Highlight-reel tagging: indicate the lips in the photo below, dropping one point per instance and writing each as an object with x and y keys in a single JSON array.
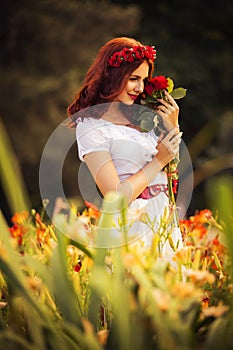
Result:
[{"x": 134, "y": 97}]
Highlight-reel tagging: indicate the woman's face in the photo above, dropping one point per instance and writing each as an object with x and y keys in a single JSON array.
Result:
[{"x": 134, "y": 85}]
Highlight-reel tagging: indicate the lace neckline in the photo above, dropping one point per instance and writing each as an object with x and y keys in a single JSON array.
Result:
[{"x": 129, "y": 125}]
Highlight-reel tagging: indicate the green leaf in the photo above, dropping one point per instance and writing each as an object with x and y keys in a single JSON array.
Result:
[
  {"x": 147, "y": 124},
  {"x": 147, "y": 115},
  {"x": 178, "y": 93},
  {"x": 61, "y": 285},
  {"x": 81, "y": 247}
]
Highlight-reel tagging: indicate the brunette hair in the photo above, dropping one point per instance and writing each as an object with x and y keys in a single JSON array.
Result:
[{"x": 103, "y": 83}]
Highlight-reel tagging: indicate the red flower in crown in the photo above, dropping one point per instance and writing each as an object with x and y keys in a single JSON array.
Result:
[
  {"x": 132, "y": 54},
  {"x": 139, "y": 52},
  {"x": 127, "y": 55},
  {"x": 115, "y": 60},
  {"x": 150, "y": 52}
]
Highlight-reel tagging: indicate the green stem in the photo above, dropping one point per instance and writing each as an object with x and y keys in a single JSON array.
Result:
[{"x": 171, "y": 195}]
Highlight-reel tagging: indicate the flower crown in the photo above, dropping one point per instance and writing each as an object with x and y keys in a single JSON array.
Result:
[{"x": 132, "y": 54}]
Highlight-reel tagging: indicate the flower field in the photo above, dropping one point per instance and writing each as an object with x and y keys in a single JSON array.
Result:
[{"x": 59, "y": 294}]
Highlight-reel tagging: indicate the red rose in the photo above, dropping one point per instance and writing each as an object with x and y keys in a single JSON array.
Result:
[
  {"x": 149, "y": 89},
  {"x": 127, "y": 55},
  {"x": 150, "y": 53},
  {"x": 78, "y": 266},
  {"x": 115, "y": 60},
  {"x": 139, "y": 52},
  {"x": 159, "y": 83}
]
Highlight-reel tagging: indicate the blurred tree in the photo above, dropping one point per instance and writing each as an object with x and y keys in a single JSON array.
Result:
[
  {"x": 194, "y": 46},
  {"x": 45, "y": 49}
]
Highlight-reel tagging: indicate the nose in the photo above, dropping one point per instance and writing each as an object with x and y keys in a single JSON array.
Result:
[{"x": 140, "y": 86}]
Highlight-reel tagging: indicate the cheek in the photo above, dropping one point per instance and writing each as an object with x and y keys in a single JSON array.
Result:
[{"x": 129, "y": 86}]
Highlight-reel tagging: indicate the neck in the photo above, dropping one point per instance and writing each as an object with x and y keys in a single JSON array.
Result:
[{"x": 114, "y": 115}]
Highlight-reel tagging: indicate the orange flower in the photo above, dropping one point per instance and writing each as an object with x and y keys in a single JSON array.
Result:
[
  {"x": 186, "y": 226},
  {"x": 42, "y": 236},
  {"x": 39, "y": 222},
  {"x": 215, "y": 311},
  {"x": 200, "y": 277},
  {"x": 20, "y": 218},
  {"x": 204, "y": 215},
  {"x": 93, "y": 211},
  {"x": 199, "y": 230}
]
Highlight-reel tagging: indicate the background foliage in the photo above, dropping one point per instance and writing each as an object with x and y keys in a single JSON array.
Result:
[{"x": 46, "y": 47}]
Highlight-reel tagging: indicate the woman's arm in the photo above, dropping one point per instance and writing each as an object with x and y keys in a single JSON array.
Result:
[{"x": 106, "y": 178}]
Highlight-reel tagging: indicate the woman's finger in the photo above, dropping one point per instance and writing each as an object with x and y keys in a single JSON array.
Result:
[
  {"x": 172, "y": 143},
  {"x": 172, "y": 133},
  {"x": 170, "y": 99}
]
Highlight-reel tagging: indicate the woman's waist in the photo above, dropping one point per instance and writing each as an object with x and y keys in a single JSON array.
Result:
[{"x": 153, "y": 191}]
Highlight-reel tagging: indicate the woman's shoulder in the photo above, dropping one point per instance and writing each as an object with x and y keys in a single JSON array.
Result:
[{"x": 88, "y": 123}]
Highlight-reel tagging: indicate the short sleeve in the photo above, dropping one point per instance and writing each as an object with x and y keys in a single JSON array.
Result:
[{"x": 90, "y": 138}]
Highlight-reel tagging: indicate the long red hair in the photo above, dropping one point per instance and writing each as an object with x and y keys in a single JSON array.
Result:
[{"x": 103, "y": 83}]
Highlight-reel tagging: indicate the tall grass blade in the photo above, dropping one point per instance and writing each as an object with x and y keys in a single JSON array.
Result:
[
  {"x": 11, "y": 177},
  {"x": 61, "y": 286}
]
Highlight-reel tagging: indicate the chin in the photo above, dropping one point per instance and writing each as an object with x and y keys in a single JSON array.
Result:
[{"x": 129, "y": 103}]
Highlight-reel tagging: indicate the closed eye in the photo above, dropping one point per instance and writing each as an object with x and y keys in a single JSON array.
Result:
[{"x": 134, "y": 78}]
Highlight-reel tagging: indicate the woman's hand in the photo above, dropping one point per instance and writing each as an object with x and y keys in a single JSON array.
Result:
[
  {"x": 168, "y": 147},
  {"x": 169, "y": 111}
]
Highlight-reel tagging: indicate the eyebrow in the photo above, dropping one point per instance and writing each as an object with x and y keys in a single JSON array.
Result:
[{"x": 137, "y": 76}]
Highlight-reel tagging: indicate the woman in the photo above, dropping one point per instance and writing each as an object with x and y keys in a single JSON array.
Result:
[{"x": 118, "y": 154}]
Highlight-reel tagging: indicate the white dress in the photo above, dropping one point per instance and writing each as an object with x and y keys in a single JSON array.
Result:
[{"x": 130, "y": 150}]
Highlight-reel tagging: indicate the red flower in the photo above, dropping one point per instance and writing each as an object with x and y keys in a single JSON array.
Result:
[
  {"x": 78, "y": 266},
  {"x": 159, "y": 83},
  {"x": 127, "y": 55},
  {"x": 139, "y": 52},
  {"x": 17, "y": 231},
  {"x": 216, "y": 241},
  {"x": 149, "y": 89},
  {"x": 150, "y": 52},
  {"x": 136, "y": 53},
  {"x": 115, "y": 60},
  {"x": 174, "y": 186}
]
